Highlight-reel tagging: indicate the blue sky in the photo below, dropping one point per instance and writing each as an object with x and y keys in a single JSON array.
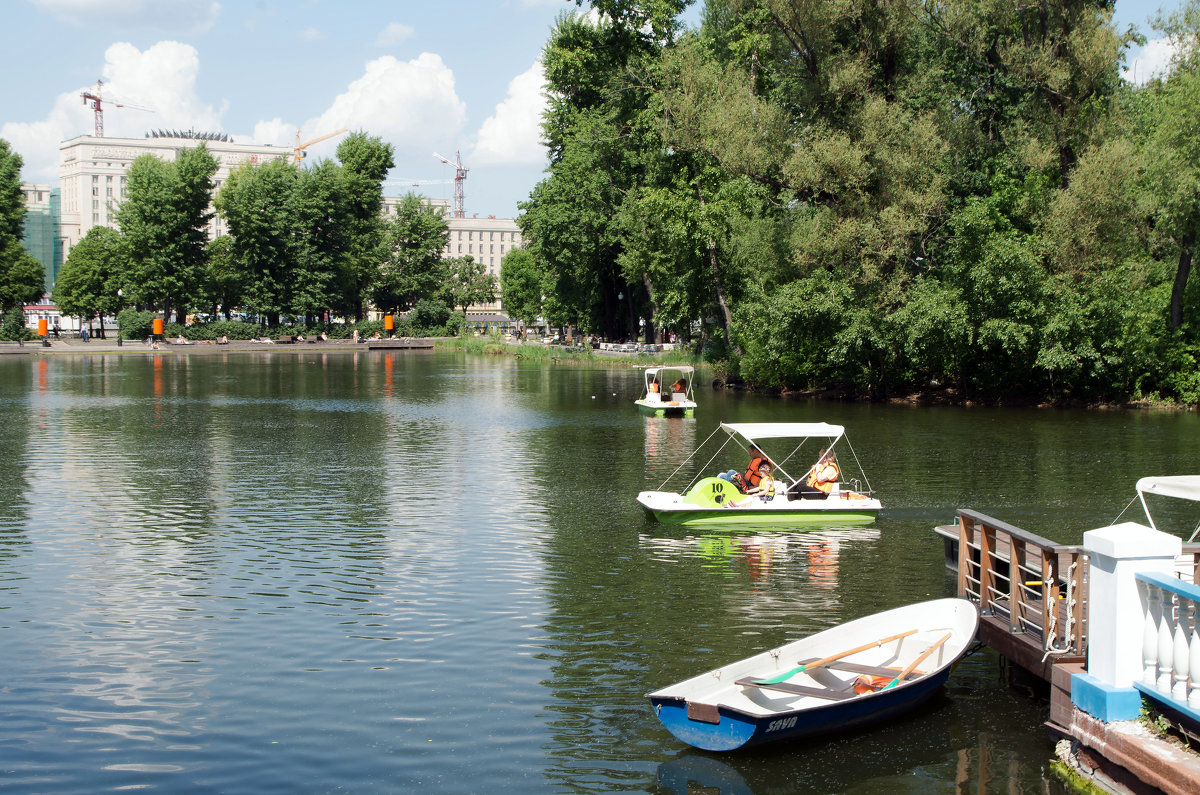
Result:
[{"x": 446, "y": 77}]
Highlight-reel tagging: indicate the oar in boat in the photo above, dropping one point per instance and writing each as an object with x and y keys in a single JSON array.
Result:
[
  {"x": 826, "y": 660},
  {"x": 913, "y": 665}
]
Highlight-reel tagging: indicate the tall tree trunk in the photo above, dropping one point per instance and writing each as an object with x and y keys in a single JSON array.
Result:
[
  {"x": 719, "y": 287},
  {"x": 651, "y": 334},
  {"x": 1181, "y": 276}
]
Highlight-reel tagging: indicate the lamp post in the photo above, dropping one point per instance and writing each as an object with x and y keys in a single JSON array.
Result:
[
  {"x": 620, "y": 298},
  {"x": 120, "y": 293}
]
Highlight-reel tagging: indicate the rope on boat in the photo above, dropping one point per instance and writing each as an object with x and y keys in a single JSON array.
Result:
[{"x": 689, "y": 458}]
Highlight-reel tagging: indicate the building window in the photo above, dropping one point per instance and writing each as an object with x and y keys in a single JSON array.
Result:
[
  {"x": 492, "y": 235},
  {"x": 460, "y": 248}
]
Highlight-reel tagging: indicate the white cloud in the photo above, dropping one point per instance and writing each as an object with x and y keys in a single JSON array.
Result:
[
  {"x": 312, "y": 34},
  {"x": 512, "y": 135},
  {"x": 163, "y": 79},
  {"x": 395, "y": 33},
  {"x": 409, "y": 104},
  {"x": 1152, "y": 60},
  {"x": 190, "y": 16}
]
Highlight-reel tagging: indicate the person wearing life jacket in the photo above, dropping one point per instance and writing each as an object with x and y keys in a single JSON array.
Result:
[
  {"x": 821, "y": 477},
  {"x": 749, "y": 479},
  {"x": 764, "y": 490}
]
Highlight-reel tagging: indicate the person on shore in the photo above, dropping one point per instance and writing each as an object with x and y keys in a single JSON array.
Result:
[{"x": 764, "y": 490}]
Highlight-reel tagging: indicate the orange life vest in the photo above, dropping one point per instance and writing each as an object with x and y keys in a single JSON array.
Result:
[
  {"x": 751, "y": 475},
  {"x": 824, "y": 485}
]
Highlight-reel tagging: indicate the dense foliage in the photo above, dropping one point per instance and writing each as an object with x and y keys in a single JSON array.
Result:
[
  {"x": 21, "y": 279},
  {"x": 877, "y": 197}
]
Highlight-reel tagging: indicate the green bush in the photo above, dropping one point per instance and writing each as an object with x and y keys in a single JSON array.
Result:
[
  {"x": 135, "y": 325},
  {"x": 12, "y": 327}
]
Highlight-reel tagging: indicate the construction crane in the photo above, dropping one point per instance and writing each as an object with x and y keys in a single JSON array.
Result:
[
  {"x": 460, "y": 176},
  {"x": 299, "y": 148},
  {"x": 95, "y": 102}
]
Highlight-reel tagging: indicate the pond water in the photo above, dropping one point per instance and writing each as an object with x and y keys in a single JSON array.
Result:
[{"x": 314, "y": 572}]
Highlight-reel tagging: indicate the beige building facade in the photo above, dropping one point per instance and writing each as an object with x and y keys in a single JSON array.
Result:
[
  {"x": 93, "y": 170},
  {"x": 92, "y": 174}
]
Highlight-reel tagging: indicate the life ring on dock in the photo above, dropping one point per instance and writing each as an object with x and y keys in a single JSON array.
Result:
[{"x": 870, "y": 684}]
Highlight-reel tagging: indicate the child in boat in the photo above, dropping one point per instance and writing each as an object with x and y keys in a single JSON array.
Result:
[
  {"x": 750, "y": 479},
  {"x": 765, "y": 490}
]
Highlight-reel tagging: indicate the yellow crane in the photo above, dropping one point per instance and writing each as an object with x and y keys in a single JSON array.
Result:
[{"x": 299, "y": 148}]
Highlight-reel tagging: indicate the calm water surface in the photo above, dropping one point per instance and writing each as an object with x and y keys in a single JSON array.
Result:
[{"x": 305, "y": 572}]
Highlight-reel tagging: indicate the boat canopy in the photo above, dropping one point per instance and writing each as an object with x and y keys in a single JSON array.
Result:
[
  {"x": 684, "y": 369},
  {"x": 1184, "y": 487},
  {"x": 783, "y": 430}
]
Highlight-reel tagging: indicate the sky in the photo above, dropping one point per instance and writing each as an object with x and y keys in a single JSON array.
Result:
[{"x": 436, "y": 80}]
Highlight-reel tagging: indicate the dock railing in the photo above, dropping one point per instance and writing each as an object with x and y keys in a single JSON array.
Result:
[
  {"x": 1170, "y": 642},
  {"x": 1030, "y": 581}
]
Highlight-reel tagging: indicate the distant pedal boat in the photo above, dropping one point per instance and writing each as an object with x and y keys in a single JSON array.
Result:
[
  {"x": 856, "y": 674},
  {"x": 707, "y": 501},
  {"x": 659, "y": 400}
]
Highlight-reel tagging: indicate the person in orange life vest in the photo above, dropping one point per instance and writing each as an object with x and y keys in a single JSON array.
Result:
[
  {"x": 821, "y": 477},
  {"x": 750, "y": 478},
  {"x": 764, "y": 490},
  {"x": 678, "y": 386}
]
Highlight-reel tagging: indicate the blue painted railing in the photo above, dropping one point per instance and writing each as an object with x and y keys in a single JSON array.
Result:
[{"x": 1171, "y": 643}]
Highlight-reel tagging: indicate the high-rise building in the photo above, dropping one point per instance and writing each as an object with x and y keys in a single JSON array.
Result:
[
  {"x": 43, "y": 236},
  {"x": 93, "y": 183},
  {"x": 92, "y": 173}
]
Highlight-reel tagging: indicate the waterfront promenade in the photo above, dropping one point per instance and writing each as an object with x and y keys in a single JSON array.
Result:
[{"x": 110, "y": 345}]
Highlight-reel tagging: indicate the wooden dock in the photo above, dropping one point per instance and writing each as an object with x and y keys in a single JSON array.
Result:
[
  {"x": 1038, "y": 618},
  {"x": 1032, "y": 598},
  {"x": 400, "y": 345}
]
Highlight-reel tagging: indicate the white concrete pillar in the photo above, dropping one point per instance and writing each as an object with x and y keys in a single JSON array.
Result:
[{"x": 1116, "y": 616}]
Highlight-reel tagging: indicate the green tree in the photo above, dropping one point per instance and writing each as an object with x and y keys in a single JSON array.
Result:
[
  {"x": 365, "y": 162},
  {"x": 21, "y": 276},
  {"x": 1174, "y": 151},
  {"x": 221, "y": 285},
  {"x": 320, "y": 207},
  {"x": 165, "y": 220},
  {"x": 90, "y": 284},
  {"x": 415, "y": 237},
  {"x": 256, "y": 203},
  {"x": 468, "y": 282},
  {"x": 521, "y": 285}
]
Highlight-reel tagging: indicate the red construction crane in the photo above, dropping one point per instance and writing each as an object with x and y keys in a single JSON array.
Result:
[
  {"x": 460, "y": 176},
  {"x": 96, "y": 104}
]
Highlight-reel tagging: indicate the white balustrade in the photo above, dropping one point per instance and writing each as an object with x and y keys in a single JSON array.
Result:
[{"x": 1171, "y": 638}]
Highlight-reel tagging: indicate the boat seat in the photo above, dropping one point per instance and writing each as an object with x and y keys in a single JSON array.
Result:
[
  {"x": 869, "y": 670},
  {"x": 797, "y": 690},
  {"x": 678, "y": 396}
]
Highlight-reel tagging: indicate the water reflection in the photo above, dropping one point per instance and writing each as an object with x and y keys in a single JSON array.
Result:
[{"x": 352, "y": 571}]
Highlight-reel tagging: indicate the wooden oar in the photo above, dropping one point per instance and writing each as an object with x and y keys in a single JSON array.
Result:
[
  {"x": 826, "y": 660},
  {"x": 913, "y": 666}
]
